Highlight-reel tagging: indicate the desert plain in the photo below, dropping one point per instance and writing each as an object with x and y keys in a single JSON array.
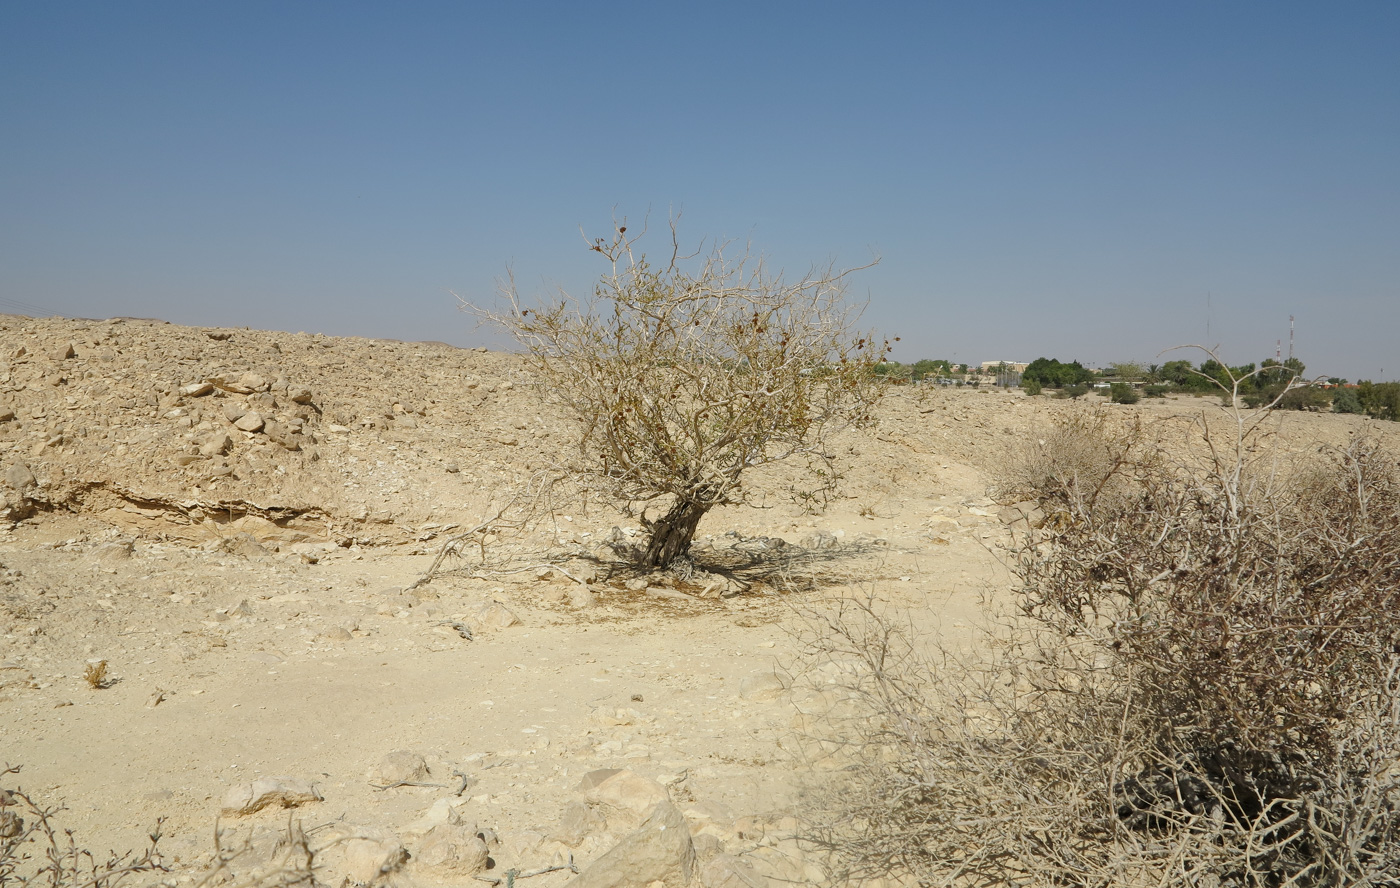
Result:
[{"x": 234, "y": 527}]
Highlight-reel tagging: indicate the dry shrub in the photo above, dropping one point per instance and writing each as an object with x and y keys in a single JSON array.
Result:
[
  {"x": 35, "y": 850},
  {"x": 1201, "y": 687},
  {"x": 1085, "y": 450}
]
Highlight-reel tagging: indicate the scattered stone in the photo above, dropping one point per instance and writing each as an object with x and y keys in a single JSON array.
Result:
[
  {"x": 659, "y": 851},
  {"x": 197, "y": 389},
  {"x": 251, "y": 421},
  {"x": 581, "y": 597},
  {"x": 299, "y": 395},
  {"x": 820, "y": 540},
  {"x": 288, "y": 792},
  {"x": 234, "y": 411},
  {"x": 64, "y": 352}
]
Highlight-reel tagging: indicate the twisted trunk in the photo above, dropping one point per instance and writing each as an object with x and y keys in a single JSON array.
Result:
[{"x": 671, "y": 534}]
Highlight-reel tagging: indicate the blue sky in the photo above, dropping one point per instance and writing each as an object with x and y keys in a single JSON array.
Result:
[{"x": 1092, "y": 181}]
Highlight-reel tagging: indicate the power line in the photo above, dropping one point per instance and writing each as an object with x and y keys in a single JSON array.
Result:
[{"x": 26, "y": 308}]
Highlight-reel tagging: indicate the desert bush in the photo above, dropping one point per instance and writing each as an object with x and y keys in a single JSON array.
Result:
[
  {"x": 1123, "y": 393},
  {"x": 1155, "y": 391},
  {"x": 1073, "y": 392},
  {"x": 684, "y": 374},
  {"x": 35, "y": 850},
  {"x": 1202, "y": 687},
  {"x": 1030, "y": 386},
  {"x": 1084, "y": 450}
]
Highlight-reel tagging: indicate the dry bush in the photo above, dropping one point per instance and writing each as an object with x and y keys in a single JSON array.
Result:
[
  {"x": 35, "y": 851},
  {"x": 1202, "y": 687},
  {"x": 686, "y": 373},
  {"x": 1085, "y": 449},
  {"x": 96, "y": 675}
]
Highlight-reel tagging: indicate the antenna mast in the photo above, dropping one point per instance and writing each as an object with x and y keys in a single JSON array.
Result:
[{"x": 1290, "y": 337}]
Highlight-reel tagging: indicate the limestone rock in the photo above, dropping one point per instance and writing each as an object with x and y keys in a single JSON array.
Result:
[
  {"x": 659, "y": 851},
  {"x": 19, "y": 477},
  {"x": 116, "y": 551},
  {"x": 496, "y": 616},
  {"x": 454, "y": 848},
  {"x": 251, "y": 421},
  {"x": 728, "y": 871},
  {"x": 627, "y": 793},
  {"x": 64, "y": 352},
  {"x": 577, "y": 823},
  {"x": 217, "y": 444},
  {"x": 288, "y": 792},
  {"x": 360, "y": 856},
  {"x": 197, "y": 389},
  {"x": 399, "y": 766},
  {"x": 765, "y": 686},
  {"x": 233, "y": 411}
]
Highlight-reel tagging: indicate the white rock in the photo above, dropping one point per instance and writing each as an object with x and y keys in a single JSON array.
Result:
[
  {"x": 288, "y": 792},
  {"x": 251, "y": 421},
  {"x": 626, "y": 792},
  {"x": 398, "y": 766},
  {"x": 360, "y": 856},
  {"x": 439, "y": 813},
  {"x": 454, "y": 848},
  {"x": 659, "y": 851},
  {"x": 496, "y": 616}
]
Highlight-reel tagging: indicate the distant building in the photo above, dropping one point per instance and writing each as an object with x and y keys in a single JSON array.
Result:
[{"x": 1012, "y": 366}]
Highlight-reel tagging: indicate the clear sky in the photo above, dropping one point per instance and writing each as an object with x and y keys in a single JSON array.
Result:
[{"x": 1091, "y": 181}]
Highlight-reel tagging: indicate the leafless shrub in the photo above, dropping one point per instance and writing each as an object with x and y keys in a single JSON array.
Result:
[
  {"x": 1202, "y": 687},
  {"x": 511, "y": 513},
  {"x": 684, "y": 374},
  {"x": 35, "y": 851},
  {"x": 1086, "y": 450}
]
